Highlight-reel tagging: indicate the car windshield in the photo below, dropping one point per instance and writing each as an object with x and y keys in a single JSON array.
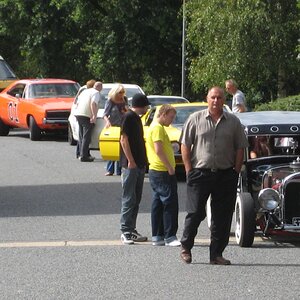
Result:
[
  {"x": 53, "y": 90},
  {"x": 130, "y": 92},
  {"x": 269, "y": 145},
  {"x": 184, "y": 112},
  {"x": 5, "y": 71},
  {"x": 165, "y": 100}
]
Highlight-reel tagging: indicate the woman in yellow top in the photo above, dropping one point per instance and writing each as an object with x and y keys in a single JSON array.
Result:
[{"x": 164, "y": 210}]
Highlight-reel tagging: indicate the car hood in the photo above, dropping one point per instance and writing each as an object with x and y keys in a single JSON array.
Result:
[
  {"x": 53, "y": 103},
  {"x": 177, "y": 126},
  {"x": 174, "y": 132}
]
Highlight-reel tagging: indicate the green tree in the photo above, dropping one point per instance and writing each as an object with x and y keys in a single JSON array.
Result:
[
  {"x": 11, "y": 28},
  {"x": 253, "y": 41},
  {"x": 113, "y": 40},
  {"x": 38, "y": 38},
  {"x": 140, "y": 43}
]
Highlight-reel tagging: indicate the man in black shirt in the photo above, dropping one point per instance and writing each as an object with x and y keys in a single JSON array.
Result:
[{"x": 133, "y": 161}]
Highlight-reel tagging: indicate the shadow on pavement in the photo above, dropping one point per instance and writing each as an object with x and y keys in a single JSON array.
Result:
[
  {"x": 60, "y": 200},
  {"x": 67, "y": 199},
  {"x": 61, "y": 136}
]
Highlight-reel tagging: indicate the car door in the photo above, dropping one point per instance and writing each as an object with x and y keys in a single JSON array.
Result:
[
  {"x": 109, "y": 139},
  {"x": 109, "y": 143},
  {"x": 96, "y": 132},
  {"x": 14, "y": 98}
]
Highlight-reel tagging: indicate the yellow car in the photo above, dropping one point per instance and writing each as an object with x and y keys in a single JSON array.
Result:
[
  {"x": 7, "y": 76},
  {"x": 109, "y": 139}
]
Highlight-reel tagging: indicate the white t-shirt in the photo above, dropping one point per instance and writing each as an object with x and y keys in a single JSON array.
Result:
[
  {"x": 238, "y": 99},
  {"x": 85, "y": 100}
]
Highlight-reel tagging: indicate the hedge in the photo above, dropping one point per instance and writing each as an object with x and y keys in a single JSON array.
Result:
[{"x": 291, "y": 103}]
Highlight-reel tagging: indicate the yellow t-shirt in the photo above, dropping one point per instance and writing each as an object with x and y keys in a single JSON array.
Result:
[{"x": 157, "y": 133}]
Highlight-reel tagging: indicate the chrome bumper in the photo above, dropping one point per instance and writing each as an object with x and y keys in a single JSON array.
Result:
[{"x": 53, "y": 121}]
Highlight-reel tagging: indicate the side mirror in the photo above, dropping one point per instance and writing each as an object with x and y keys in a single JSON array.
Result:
[{"x": 18, "y": 96}]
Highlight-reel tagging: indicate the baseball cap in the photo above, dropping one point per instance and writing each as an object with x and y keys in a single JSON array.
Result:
[{"x": 139, "y": 100}]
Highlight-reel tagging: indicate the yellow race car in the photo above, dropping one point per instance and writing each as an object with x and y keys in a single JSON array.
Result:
[{"x": 109, "y": 139}]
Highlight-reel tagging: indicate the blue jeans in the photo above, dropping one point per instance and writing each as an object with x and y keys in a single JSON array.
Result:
[
  {"x": 164, "y": 211},
  {"x": 132, "y": 183},
  {"x": 110, "y": 167}
]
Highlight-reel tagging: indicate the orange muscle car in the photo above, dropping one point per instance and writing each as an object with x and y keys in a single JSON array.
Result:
[{"x": 41, "y": 105}]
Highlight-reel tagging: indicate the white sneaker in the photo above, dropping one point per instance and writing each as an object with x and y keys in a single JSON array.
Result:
[
  {"x": 126, "y": 238},
  {"x": 158, "y": 243},
  {"x": 174, "y": 243},
  {"x": 137, "y": 237}
]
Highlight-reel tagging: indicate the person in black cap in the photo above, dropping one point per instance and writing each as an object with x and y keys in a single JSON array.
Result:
[{"x": 133, "y": 161}]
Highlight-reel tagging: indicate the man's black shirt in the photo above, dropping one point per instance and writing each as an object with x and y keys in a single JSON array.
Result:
[{"x": 133, "y": 128}]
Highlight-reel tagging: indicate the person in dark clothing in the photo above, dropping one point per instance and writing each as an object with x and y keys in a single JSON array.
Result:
[
  {"x": 133, "y": 161},
  {"x": 212, "y": 147}
]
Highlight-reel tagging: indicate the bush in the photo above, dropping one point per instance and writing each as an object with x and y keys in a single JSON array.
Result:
[{"x": 291, "y": 103}]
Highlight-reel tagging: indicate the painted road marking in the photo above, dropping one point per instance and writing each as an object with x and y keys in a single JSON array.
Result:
[{"x": 91, "y": 243}]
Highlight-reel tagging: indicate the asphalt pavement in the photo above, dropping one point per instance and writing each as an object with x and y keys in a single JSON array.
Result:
[{"x": 60, "y": 239}]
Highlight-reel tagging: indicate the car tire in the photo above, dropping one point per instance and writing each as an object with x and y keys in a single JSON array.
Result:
[
  {"x": 71, "y": 139},
  {"x": 4, "y": 129},
  {"x": 34, "y": 130},
  {"x": 244, "y": 220}
]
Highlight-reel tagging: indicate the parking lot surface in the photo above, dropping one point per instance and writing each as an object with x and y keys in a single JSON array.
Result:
[{"x": 60, "y": 239}]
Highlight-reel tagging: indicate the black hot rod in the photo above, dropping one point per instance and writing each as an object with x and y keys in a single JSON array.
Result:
[{"x": 268, "y": 198}]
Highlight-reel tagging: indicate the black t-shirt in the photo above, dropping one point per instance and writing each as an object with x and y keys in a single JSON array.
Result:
[{"x": 133, "y": 128}]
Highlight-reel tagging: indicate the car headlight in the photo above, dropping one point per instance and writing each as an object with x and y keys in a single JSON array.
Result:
[
  {"x": 176, "y": 147},
  {"x": 268, "y": 198}
]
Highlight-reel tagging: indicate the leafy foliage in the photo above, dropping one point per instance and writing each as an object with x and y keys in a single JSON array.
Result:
[
  {"x": 291, "y": 103},
  {"x": 127, "y": 41},
  {"x": 252, "y": 41}
]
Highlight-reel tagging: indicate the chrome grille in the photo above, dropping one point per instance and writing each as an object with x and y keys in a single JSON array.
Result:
[
  {"x": 58, "y": 115},
  {"x": 291, "y": 207}
]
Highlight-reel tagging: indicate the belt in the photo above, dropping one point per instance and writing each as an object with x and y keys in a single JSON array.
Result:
[{"x": 215, "y": 170}]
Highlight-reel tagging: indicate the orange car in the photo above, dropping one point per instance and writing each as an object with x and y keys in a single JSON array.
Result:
[{"x": 41, "y": 105}]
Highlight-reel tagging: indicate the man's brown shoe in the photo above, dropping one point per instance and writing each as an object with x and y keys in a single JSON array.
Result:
[
  {"x": 219, "y": 260},
  {"x": 186, "y": 255}
]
